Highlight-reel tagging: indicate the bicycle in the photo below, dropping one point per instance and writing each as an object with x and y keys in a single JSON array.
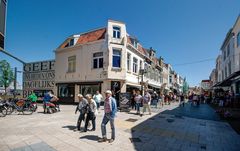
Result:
[
  {"x": 24, "y": 106},
  {"x": 3, "y": 109}
]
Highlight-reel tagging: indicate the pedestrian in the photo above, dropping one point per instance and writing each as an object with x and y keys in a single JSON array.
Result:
[
  {"x": 98, "y": 99},
  {"x": 138, "y": 100},
  {"x": 161, "y": 99},
  {"x": 146, "y": 102},
  {"x": 110, "y": 109},
  {"x": 182, "y": 100},
  {"x": 91, "y": 112},
  {"x": 82, "y": 108},
  {"x": 155, "y": 99},
  {"x": 133, "y": 102}
]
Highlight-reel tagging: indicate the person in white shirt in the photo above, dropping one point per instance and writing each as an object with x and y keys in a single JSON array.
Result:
[{"x": 98, "y": 98}]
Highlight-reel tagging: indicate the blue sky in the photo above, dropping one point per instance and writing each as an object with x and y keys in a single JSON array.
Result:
[{"x": 180, "y": 30}]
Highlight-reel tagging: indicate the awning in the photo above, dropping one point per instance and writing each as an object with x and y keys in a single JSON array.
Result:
[
  {"x": 134, "y": 85},
  {"x": 228, "y": 81},
  {"x": 154, "y": 86}
]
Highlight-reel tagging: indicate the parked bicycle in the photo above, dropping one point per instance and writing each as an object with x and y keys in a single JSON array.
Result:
[
  {"x": 22, "y": 106},
  {"x": 3, "y": 109}
]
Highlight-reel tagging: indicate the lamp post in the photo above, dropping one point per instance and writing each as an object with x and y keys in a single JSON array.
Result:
[
  {"x": 142, "y": 71},
  {"x": 15, "y": 69}
]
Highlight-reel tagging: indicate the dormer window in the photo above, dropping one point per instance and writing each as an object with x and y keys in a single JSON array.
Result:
[
  {"x": 134, "y": 42},
  {"x": 116, "y": 32},
  {"x": 71, "y": 42}
]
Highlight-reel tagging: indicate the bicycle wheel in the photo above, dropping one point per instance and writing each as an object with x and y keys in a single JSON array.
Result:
[
  {"x": 10, "y": 110},
  {"x": 3, "y": 110},
  {"x": 28, "y": 110}
]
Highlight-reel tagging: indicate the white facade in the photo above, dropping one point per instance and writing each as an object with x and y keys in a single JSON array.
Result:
[{"x": 77, "y": 71}]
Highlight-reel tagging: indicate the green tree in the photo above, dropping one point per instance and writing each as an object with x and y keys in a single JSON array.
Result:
[
  {"x": 185, "y": 86},
  {"x": 6, "y": 74}
]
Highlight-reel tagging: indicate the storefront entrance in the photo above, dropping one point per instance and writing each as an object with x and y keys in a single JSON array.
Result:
[
  {"x": 89, "y": 88},
  {"x": 115, "y": 87},
  {"x": 66, "y": 93}
]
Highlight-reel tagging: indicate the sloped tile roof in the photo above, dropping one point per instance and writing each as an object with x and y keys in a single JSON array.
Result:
[
  {"x": 92, "y": 36},
  {"x": 140, "y": 48},
  {"x": 87, "y": 37}
]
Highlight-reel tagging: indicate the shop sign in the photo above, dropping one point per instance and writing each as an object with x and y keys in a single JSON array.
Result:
[{"x": 38, "y": 76}]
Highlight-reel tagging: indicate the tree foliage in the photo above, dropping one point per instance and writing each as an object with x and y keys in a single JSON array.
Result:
[
  {"x": 6, "y": 74},
  {"x": 185, "y": 86}
]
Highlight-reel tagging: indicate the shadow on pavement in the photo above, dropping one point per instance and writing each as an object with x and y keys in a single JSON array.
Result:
[
  {"x": 70, "y": 127},
  {"x": 203, "y": 111},
  {"x": 164, "y": 131},
  {"x": 90, "y": 137}
]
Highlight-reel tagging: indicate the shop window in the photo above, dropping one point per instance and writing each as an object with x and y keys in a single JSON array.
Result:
[
  {"x": 116, "y": 32},
  {"x": 89, "y": 89},
  {"x": 98, "y": 60},
  {"x": 66, "y": 91},
  {"x": 116, "y": 60},
  {"x": 72, "y": 64}
]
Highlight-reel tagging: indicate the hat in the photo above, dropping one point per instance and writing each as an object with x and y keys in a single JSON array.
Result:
[
  {"x": 80, "y": 95},
  {"x": 108, "y": 92}
]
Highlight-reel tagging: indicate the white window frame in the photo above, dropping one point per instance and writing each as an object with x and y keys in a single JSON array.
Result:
[
  {"x": 135, "y": 65},
  {"x": 72, "y": 64},
  {"x": 117, "y": 56},
  {"x": 117, "y": 32},
  {"x": 98, "y": 60}
]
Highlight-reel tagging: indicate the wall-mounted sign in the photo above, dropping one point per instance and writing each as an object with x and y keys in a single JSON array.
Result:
[{"x": 38, "y": 77}]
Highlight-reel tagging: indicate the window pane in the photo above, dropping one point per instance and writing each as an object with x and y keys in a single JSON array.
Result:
[
  {"x": 116, "y": 52},
  {"x": 118, "y": 34},
  {"x": 100, "y": 62},
  {"x": 116, "y": 28},
  {"x": 98, "y": 54},
  {"x": 116, "y": 61},
  {"x": 71, "y": 42},
  {"x": 95, "y": 63},
  {"x": 114, "y": 34}
]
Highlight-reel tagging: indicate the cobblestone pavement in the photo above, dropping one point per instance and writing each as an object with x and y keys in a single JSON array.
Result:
[{"x": 168, "y": 131}]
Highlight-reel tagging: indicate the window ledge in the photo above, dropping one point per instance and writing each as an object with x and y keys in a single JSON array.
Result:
[
  {"x": 97, "y": 68},
  {"x": 116, "y": 69},
  {"x": 68, "y": 72}
]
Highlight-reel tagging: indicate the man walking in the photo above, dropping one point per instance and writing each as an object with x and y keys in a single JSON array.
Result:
[
  {"x": 110, "y": 109},
  {"x": 146, "y": 102},
  {"x": 182, "y": 100},
  {"x": 138, "y": 100},
  {"x": 82, "y": 109},
  {"x": 98, "y": 98}
]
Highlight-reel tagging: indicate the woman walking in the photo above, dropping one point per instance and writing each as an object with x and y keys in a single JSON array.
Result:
[
  {"x": 91, "y": 112},
  {"x": 138, "y": 100}
]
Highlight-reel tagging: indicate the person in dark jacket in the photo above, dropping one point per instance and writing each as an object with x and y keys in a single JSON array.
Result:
[{"x": 82, "y": 109}]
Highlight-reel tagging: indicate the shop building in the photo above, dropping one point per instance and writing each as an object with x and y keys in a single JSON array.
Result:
[
  {"x": 39, "y": 77},
  {"x": 101, "y": 59}
]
